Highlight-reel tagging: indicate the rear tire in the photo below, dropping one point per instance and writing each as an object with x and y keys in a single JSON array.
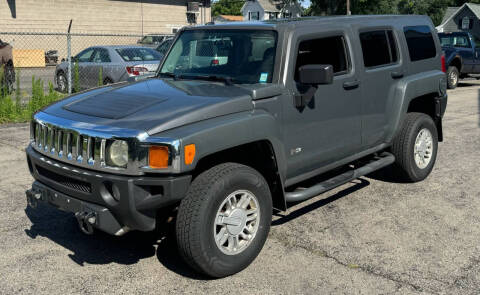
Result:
[
  {"x": 453, "y": 76},
  {"x": 107, "y": 81},
  {"x": 415, "y": 147},
  {"x": 223, "y": 222}
]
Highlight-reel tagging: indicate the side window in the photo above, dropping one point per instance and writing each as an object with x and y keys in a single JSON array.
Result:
[
  {"x": 379, "y": 48},
  {"x": 101, "y": 56},
  {"x": 420, "y": 42},
  {"x": 326, "y": 51},
  {"x": 85, "y": 56}
]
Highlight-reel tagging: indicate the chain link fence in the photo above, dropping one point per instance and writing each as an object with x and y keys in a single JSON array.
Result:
[{"x": 74, "y": 62}]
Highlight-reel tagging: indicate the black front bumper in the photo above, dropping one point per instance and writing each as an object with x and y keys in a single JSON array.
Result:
[{"x": 126, "y": 202}]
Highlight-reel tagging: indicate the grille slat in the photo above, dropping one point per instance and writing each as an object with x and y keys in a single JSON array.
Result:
[{"x": 59, "y": 142}]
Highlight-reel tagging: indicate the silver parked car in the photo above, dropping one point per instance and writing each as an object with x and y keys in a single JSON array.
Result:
[{"x": 114, "y": 63}]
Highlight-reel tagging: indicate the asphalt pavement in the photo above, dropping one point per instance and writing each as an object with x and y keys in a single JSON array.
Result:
[{"x": 371, "y": 236}]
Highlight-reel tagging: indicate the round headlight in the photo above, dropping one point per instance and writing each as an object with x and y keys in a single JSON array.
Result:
[{"x": 117, "y": 154}]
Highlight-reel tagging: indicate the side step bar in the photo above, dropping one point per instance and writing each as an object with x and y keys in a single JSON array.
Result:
[{"x": 383, "y": 160}]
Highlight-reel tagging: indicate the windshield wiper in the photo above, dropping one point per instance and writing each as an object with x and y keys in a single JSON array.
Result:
[
  {"x": 169, "y": 75},
  {"x": 227, "y": 80}
]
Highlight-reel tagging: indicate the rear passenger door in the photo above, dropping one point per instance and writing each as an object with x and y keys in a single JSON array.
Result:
[{"x": 382, "y": 67}]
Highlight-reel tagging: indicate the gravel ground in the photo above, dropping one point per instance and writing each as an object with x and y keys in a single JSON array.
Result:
[{"x": 371, "y": 236}]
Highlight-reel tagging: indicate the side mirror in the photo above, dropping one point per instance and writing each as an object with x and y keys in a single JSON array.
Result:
[{"x": 316, "y": 74}]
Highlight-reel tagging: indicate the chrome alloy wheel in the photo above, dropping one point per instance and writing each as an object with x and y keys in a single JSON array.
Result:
[
  {"x": 236, "y": 222},
  {"x": 423, "y": 148},
  {"x": 453, "y": 78},
  {"x": 62, "y": 83}
]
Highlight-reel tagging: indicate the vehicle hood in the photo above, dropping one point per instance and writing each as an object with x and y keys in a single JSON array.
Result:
[{"x": 153, "y": 105}]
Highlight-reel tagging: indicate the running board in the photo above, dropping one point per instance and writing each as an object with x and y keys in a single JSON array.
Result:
[{"x": 383, "y": 160}]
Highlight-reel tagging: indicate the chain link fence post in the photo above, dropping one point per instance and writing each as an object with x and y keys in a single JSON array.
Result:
[{"x": 69, "y": 59}]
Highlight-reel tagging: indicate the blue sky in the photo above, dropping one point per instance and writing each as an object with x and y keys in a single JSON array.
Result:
[{"x": 305, "y": 3}]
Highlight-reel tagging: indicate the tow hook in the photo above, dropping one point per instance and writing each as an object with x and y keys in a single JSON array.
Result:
[
  {"x": 33, "y": 196},
  {"x": 86, "y": 220}
]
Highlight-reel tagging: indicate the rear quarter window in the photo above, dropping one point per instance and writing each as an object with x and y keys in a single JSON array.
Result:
[{"x": 420, "y": 42}]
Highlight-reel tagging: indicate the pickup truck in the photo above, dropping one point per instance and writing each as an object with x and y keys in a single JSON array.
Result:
[
  {"x": 462, "y": 56},
  {"x": 298, "y": 108}
]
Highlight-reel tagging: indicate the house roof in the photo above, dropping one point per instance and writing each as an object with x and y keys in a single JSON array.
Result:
[
  {"x": 448, "y": 13},
  {"x": 270, "y": 6},
  {"x": 233, "y": 18},
  {"x": 452, "y": 11}
]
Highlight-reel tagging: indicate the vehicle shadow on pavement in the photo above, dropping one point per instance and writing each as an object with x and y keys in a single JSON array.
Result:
[
  {"x": 359, "y": 184},
  {"x": 101, "y": 248}
]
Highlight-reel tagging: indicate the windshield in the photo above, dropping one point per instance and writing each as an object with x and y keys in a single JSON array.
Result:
[
  {"x": 242, "y": 56},
  {"x": 454, "y": 40},
  {"x": 138, "y": 54}
]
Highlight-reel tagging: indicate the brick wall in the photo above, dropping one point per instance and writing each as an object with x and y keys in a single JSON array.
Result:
[{"x": 103, "y": 16}]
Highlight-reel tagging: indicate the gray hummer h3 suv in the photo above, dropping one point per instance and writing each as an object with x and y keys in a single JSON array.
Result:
[{"x": 293, "y": 108}]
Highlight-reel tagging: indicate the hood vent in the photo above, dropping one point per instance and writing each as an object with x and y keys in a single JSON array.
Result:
[{"x": 111, "y": 105}]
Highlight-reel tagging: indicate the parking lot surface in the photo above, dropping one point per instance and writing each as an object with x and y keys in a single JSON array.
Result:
[{"x": 371, "y": 236}]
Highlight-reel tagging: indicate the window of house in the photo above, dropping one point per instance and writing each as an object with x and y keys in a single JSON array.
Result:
[
  {"x": 420, "y": 42},
  {"x": 324, "y": 51},
  {"x": 379, "y": 48},
  {"x": 253, "y": 15}
]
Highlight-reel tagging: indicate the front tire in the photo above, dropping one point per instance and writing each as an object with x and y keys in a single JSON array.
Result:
[
  {"x": 453, "y": 76},
  {"x": 415, "y": 147},
  {"x": 223, "y": 222},
  {"x": 62, "y": 82}
]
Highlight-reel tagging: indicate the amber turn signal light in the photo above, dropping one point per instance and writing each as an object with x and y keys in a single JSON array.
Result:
[
  {"x": 158, "y": 157},
  {"x": 189, "y": 154}
]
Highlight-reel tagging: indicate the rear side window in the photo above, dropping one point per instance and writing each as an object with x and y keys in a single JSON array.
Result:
[
  {"x": 326, "y": 51},
  {"x": 379, "y": 48},
  {"x": 420, "y": 42},
  {"x": 138, "y": 54}
]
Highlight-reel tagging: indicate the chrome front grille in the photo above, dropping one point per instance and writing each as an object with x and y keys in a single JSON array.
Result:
[{"x": 68, "y": 145}]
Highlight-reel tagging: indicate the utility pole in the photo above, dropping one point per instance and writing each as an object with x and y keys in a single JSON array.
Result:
[{"x": 348, "y": 8}]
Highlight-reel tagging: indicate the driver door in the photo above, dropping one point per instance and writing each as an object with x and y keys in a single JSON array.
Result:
[{"x": 328, "y": 128}]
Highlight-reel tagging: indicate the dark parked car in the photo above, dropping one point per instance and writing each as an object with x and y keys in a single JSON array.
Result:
[
  {"x": 6, "y": 61},
  {"x": 296, "y": 108},
  {"x": 116, "y": 63},
  {"x": 462, "y": 56}
]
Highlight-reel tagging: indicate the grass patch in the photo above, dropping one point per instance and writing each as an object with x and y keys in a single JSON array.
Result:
[{"x": 13, "y": 111}]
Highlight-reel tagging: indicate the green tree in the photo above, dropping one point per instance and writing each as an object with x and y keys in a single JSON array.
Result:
[{"x": 227, "y": 7}]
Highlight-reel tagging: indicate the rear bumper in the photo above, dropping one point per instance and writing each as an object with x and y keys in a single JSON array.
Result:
[{"x": 129, "y": 202}]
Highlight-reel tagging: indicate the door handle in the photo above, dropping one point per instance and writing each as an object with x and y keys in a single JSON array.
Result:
[
  {"x": 397, "y": 75},
  {"x": 351, "y": 85}
]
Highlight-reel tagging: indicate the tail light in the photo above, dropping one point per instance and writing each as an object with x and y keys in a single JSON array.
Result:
[
  {"x": 136, "y": 71},
  {"x": 215, "y": 62},
  {"x": 444, "y": 67}
]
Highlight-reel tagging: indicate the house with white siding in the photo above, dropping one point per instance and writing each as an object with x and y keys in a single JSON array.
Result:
[{"x": 254, "y": 10}]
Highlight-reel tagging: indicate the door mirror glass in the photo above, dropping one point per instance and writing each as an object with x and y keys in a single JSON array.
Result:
[{"x": 316, "y": 74}]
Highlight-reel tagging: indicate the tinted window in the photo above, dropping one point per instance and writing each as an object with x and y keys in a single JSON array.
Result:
[
  {"x": 138, "y": 54},
  {"x": 325, "y": 51},
  {"x": 420, "y": 42},
  {"x": 379, "y": 48}
]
